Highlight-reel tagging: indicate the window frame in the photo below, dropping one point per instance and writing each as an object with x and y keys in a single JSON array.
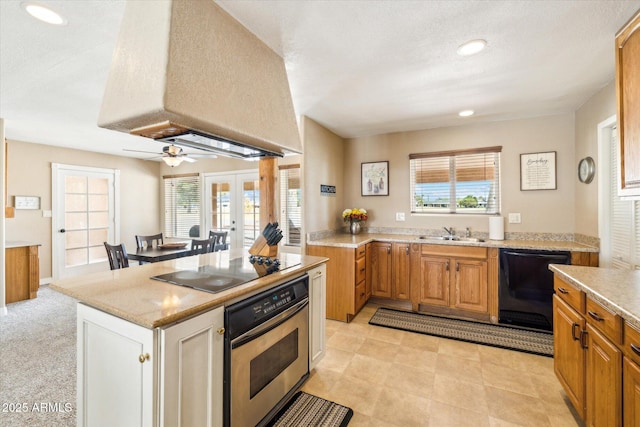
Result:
[
  {"x": 170, "y": 227},
  {"x": 453, "y": 157}
]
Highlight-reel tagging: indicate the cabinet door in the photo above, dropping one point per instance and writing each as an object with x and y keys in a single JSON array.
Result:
[
  {"x": 401, "y": 266},
  {"x": 627, "y": 84},
  {"x": 604, "y": 389},
  {"x": 381, "y": 269},
  {"x": 191, "y": 371},
  {"x": 116, "y": 365},
  {"x": 317, "y": 310},
  {"x": 569, "y": 356},
  {"x": 631, "y": 393},
  {"x": 471, "y": 285},
  {"x": 434, "y": 283}
]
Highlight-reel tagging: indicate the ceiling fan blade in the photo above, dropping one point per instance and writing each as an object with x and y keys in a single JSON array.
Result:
[
  {"x": 187, "y": 159},
  {"x": 203, "y": 156}
]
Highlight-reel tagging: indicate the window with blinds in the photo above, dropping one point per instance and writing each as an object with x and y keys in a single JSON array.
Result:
[
  {"x": 625, "y": 219},
  {"x": 290, "y": 204},
  {"x": 465, "y": 181},
  {"x": 182, "y": 204}
]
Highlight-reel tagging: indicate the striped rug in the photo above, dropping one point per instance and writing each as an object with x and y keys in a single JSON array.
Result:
[
  {"x": 308, "y": 410},
  {"x": 480, "y": 333}
]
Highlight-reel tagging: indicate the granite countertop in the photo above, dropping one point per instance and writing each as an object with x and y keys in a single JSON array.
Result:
[
  {"x": 130, "y": 294},
  {"x": 618, "y": 290},
  {"x": 353, "y": 241}
]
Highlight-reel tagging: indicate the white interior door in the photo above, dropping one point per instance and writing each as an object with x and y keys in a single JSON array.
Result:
[
  {"x": 84, "y": 217},
  {"x": 233, "y": 205}
]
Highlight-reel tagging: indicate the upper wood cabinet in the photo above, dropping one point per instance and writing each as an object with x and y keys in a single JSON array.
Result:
[{"x": 628, "y": 97}]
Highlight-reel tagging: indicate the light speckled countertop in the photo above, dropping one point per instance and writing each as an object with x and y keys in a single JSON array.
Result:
[
  {"x": 353, "y": 241},
  {"x": 617, "y": 290},
  {"x": 130, "y": 294}
]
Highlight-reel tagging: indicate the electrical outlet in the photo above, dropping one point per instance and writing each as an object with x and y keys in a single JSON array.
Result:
[
  {"x": 514, "y": 218},
  {"x": 399, "y": 216}
]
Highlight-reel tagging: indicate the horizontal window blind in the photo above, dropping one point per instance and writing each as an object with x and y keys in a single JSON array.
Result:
[
  {"x": 182, "y": 204},
  {"x": 456, "y": 181},
  {"x": 291, "y": 204}
]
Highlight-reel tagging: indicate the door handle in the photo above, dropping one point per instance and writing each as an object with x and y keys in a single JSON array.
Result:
[{"x": 62, "y": 230}]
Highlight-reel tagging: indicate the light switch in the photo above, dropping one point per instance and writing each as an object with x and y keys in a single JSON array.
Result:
[
  {"x": 399, "y": 216},
  {"x": 514, "y": 218}
]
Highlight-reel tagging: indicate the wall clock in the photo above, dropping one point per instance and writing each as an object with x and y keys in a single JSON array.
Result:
[{"x": 586, "y": 170}]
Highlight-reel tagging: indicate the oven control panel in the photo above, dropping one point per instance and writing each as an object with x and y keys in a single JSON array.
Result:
[{"x": 272, "y": 303}]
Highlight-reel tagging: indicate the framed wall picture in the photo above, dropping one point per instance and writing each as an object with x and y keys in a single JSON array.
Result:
[
  {"x": 538, "y": 171},
  {"x": 375, "y": 179}
]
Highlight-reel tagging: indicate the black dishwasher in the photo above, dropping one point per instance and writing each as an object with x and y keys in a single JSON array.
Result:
[{"x": 525, "y": 295}]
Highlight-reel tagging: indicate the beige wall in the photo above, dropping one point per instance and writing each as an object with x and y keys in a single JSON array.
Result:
[
  {"x": 598, "y": 108},
  {"x": 323, "y": 163},
  {"x": 542, "y": 211},
  {"x": 30, "y": 175}
]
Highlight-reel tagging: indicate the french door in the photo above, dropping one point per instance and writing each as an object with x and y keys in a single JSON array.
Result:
[
  {"x": 85, "y": 215},
  {"x": 233, "y": 205}
]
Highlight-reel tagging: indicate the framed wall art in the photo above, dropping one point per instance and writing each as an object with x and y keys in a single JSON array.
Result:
[
  {"x": 538, "y": 171},
  {"x": 375, "y": 179}
]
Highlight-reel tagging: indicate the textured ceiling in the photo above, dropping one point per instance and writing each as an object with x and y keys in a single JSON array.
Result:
[{"x": 357, "y": 67}]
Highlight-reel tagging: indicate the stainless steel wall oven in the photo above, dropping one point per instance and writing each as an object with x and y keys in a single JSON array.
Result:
[{"x": 266, "y": 352}]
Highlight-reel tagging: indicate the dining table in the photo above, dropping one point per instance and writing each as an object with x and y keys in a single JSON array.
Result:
[{"x": 160, "y": 253}]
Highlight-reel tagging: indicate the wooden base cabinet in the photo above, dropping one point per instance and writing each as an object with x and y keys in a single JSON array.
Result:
[
  {"x": 631, "y": 392},
  {"x": 381, "y": 264},
  {"x": 22, "y": 273},
  {"x": 129, "y": 375},
  {"x": 454, "y": 280},
  {"x": 317, "y": 314},
  {"x": 604, "y": 385}
]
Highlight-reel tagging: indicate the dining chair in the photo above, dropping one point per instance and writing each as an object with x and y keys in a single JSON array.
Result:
[
  {"x": 220, "y": 238},
  {"x": 117, "y": 256},
  {"x": 149, "y": 240},
  {"x": 204, "y": 246}
]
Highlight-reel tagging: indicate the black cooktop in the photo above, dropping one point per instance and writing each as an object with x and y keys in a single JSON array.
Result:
[{"x": 235, "y": 272}]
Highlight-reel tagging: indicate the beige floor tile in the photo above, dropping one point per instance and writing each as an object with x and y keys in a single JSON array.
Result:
[
  {"x": 494, "y": 422},
  {"x": 421, "y": 341},
  {"x": 410, "y": 380},
  {"x": 360, "y": 420},
  {"x": 508, "y": 379},
  {"x": 366, "y": 368},
  {"x": 423, "y": 360},
  {"x": 461, "y": 394},
  {"x": 336, "y": 359},
  {"x": 516, "y": 408},
  {"x": 321, "y": 381},
  {"x": 459, "y": 368},
  {"x": 389, "y": 335},
  {"x": 459, "y": 349},
  {"x": 347, "y": 342},
  {"x": 443, "y": 415},
  {"x": 359, "y": 395},
  {"x": 379, "y": 349},
  {"x": 402, "y": 409}
]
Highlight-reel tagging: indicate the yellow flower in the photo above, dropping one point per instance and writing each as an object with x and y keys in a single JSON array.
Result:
[{"x": 357, "y": 215}]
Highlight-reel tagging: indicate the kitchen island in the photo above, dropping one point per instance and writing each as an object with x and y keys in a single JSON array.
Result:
[
  {"x": 151, "y": 353},
  {"x": 597, "y": 342}
]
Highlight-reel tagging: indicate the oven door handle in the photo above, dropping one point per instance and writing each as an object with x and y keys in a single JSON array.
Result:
[{"x": 270, "y": 324}]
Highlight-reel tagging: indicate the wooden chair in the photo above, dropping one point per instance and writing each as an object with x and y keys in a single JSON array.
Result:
[
  {"x": 205, "y": 246},
  {"x": 117, "y": 256},
  {"x": 149, "y": 240},
  {"x": 220, "y": 238}
]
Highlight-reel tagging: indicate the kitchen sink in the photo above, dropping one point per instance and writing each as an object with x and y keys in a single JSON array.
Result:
[{"x": 452, "y": 238}]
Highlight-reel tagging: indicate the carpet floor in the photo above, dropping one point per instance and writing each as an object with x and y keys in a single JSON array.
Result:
[
  {"x": 480, "y": 333},
  {"x": 38, "y": 361},
  {"x": 308, "y": 410}
]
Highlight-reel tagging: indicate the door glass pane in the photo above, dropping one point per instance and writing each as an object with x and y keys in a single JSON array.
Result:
[
  {"x": 98, "y": 185},
  {"x": 221, "y": 205},
  {"x": 99, "y": 202},
  {"x": 75, "y": 184},
  {"x": 75, "y": 202},
  {"x": 97, "y": 237},
  {"x": 250, "y": 211},
  {"x": 98, "y": 220},
  {"x": 75, "y": 221},
  {"x": 75, "y": 257},
  {"x": 76, "y": 239}
]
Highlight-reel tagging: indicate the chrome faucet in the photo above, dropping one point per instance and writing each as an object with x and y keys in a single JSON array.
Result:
[
  {"x": 450, "y": 231},
  {"x": 468, "y": 232}
]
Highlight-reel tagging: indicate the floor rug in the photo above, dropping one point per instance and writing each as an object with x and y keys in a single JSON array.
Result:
[
  {"x": 480, "y": 333},
  {"x": 307, "y": 410}
]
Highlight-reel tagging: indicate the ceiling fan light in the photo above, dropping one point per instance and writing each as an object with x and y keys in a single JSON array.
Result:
[
  {"x": 172, "y": 161},
  {"x": 44, "y": 13},
  {"x": 466, "y": 113},
  {"x": 471, "y": 47}
]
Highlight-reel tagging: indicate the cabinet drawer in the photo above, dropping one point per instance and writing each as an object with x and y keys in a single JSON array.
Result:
[
  {"x": 607, "y": 322},
  {"x": 361, "y": 271},
  {"x": 360, "y": 251},
  {"x": 361, "y": 295},
  {"x": 632, "y": 343},
  {"x": 569, "y": 294}
]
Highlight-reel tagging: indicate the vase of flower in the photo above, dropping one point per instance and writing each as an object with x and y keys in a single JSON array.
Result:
[{"x": 355, "y": 227}]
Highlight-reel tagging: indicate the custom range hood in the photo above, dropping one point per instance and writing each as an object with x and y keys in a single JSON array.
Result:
[{"x": 186, "y": 72}]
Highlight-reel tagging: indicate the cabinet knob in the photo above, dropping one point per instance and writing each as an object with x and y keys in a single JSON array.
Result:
[
  {"x": 221, "y": 331},
  {"x": 318, "y": 273},
  {"x": 144, "y": 357}
]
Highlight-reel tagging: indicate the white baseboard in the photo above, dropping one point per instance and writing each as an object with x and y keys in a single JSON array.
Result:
[
  {"x": 46, "y": 281},
  {"x": 3, "y": 311}
]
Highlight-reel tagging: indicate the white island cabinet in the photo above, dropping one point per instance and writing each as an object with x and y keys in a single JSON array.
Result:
[
  {"x": 317, "y": 313},
  {"x": 129, "y": 375}
]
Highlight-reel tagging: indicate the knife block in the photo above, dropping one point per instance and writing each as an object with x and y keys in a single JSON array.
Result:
[{"x": 261, "y": 248}]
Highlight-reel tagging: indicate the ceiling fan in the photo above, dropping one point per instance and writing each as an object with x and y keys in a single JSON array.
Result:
[{"x": 173, "y": 155}]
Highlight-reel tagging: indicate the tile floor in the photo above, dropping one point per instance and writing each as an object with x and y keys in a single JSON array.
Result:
[{"x": 397, "y": 378}]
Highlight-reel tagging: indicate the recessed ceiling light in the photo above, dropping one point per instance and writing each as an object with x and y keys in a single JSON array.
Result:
[
  {"x": 471, "y": 47},
  {"x": 466, "y": 113},
  {"x": 44, "y": 13}
]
